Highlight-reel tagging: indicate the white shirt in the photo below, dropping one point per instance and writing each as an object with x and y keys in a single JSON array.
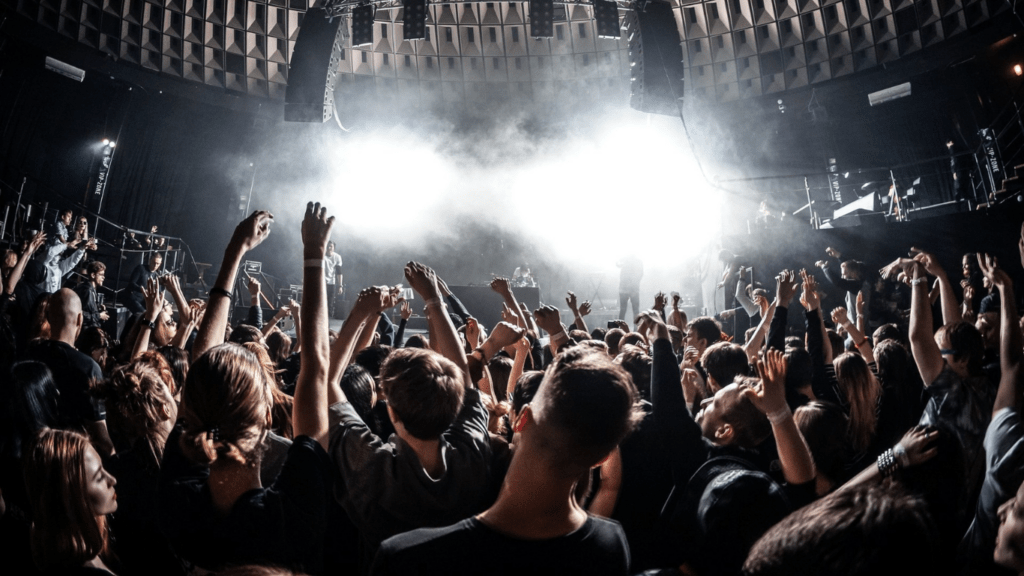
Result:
[{"x": 330, "y": 262}]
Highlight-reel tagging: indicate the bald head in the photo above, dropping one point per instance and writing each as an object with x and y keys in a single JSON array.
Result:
[{"x": 64, "y": 313}]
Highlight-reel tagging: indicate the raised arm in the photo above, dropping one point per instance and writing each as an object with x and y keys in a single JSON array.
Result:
[
  {"x": 154, "y": 306},
  {"x": 950, "y": 306},
  {"x": 504, "y": 289},
  {"x": 248, "y": 234},
  {"x": 282, "y": 313},
  {"x": 840, "y": 317},
  {"x": 309, "y": 409},
  {"x": 811, "y": 301},
  {"x": 926, "y": 352},
  {"x": 677, "y": 317},
  {"x": 754, "y": 345},
  {"x": 367, "y": 303},
  {"x": 549, "y": 320},
  {"x": 770, "y": 398},
  {"x": 785, "y": 289},
  {"x": 173, "y": 285},
  {"x": 1010, "y": 351},
  {"x": 576, "y": 314},
  {"x": 15, "y": 276},
  {"x": 443, "y": 337}
]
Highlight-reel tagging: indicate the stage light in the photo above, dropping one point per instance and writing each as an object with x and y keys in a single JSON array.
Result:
[
  {"x": 414, "y": 19},
  {"x": 606, "y": 13},
  {"x": 542, "y": 18},
  {"x": 106, "y": 142},
  {"x": 362, "y": 25},
  {"x": 1018, "y": 70},
  {"x": 112, "y": 144}
]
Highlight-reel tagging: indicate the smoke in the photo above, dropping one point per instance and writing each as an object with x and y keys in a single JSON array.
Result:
[{"x": 569, "y": 195}]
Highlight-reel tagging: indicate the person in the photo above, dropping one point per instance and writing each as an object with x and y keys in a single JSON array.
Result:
[
  {"x": 143, "y": 273},
  {"x": 630, "y": 273},
  {"x": 522, "y": 276},
  {"x": 584, "y": 408},
  {"x": 852, "y": 278},
  {"x": 213, "y": 508},
  {"x": 333, "y": 278},
  {"x": 93, "y": 313},
  {"x": 73, "y": 371},
  {"x": 71, "y": 495},
  {"x": 57, "y": 268}
]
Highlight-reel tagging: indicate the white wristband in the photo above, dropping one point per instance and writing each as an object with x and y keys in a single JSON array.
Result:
[
  {"x": 434, "y": 302},
  {"x": 780, "y": 415},
  {"x": 313, "y": 263}
]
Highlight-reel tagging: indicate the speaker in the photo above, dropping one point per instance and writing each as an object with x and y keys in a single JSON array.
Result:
[
  {"x": 655, "y": 59},
  {"x": 114, "y": 326},
  {"x": 314, "y": 68}
]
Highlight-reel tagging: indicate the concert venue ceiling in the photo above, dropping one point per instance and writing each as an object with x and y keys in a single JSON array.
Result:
[{"x": 731, "y": 49}]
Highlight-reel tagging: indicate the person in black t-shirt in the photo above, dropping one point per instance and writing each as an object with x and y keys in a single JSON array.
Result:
[
  {"x": 584, "y": 408},
  {"x": 73, "y": 371}
]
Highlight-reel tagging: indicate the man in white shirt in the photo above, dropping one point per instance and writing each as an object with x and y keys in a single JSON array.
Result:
[{"x": 332, "y": 275}]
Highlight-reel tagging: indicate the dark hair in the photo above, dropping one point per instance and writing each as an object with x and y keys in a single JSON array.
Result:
[
  {"x": 178, "y": 360},
  {"x": 724, "y": 361},
  {"x": 417, "y": 341},
  {"x": 612, "y": 339},
  {"x": 893, "y": 531},
  {"x": 224, "y": 406},
  {"x": 637, "y": 364},
  {"x": 967, "y": 344},
  {"x": 578, "y": 335},
  {"x": 424, "y": 390},
  {"x": 94, "y": 267},
  {"x": 855, "y": 267},
  {"x": 794, "y": 342},
  {"x": 500, "y": 368},
  {"x": 836, "y": 342},
  {"x": 799, "y": 369},
  {"x": 887, "y": 332},
  {"x": 92, "y": 338},
  {"x": 824, "y": 427},
  {"x": 358, "y": 386},
  {"x": 372, "y": 358},
  {"x": 526, "y": 388},
  {"x": 244, "y": 333},
  {"x": 279, "y": 345},
  {"x": 587, "y": 405},
  {"x": 28, "y": 403},
  {"x": 631, "y": 339},
  {"x": 598, "y": 334},
  {"x": 707, "y": 328},
  {"x": 750, "y": 425}
]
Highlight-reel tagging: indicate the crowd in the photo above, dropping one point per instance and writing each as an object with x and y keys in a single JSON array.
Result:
[{"x": 885, "y": 437}]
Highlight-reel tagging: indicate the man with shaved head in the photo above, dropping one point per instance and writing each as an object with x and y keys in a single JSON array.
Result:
[{"x": 73, "y": 371}]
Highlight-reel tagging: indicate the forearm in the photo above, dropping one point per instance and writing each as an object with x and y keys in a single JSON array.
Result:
[
  {"x": 777, "y": 328},
  {"x": 269, "y": 326},
  {"x": 445, "y": 335},
  {"x": 744, "y": 300},
  {"x": 1010, "y": 352},
  {"x": 309, "y": 409},
  {"x": 581, "y": 324},
  {"x": 400, "y": 333},
  {"x": 950, "y": 307},
  {"x": 862, "y": 342},
  {"x": 15, "y": 276},
  {"x": 341, "y": 351},
  {"x": 510, "y": 300},
  {"x": 794, "y": 455},
  {"x": 757, "y": 339},
  {"x": 181, "y": 336},
  {"x": 215, "y": 319},
  {"x": 518, "y": 366}
]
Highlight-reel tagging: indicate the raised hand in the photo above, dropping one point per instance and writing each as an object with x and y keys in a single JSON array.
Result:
[
  {"x": 154, "y": 299},
  {"x": 254, "y": 230},
  {"x": 548, "y": 319},
  {"x": 918, "y": 443},
  {"x": 821, "y": 263},
  {"x": 254, "y": 288},
  {"x": 508, "y": 315},
  {"x": 570, "y": 300},
  {"x": 372, "y": 300},
  {"x": 785, "y": 287},
  {"x": 473, "y": 332},
  {"x": 37, "y": 241},
  {"x": 585, "y": 308},
  {"x": 769, "y": 396},
  {"x": 405, "y": 310},
  {"x": 833, "y": 252},
  {"x": 931, "y": 265},
  {"x": 423, "y": 280},
  {"x": 660, "y": 300},
  {"x": 860, "y": 303},
  {"x": 501, "y": 286},
  {"x": 505, "y": 334},
  {"x": 316, "y": 231},
  {"x": 990, "y": 268},
  {"x": 904, "y": 266},
  {"x": 809, "y": 298},
  {"x": 840, "y": 317},
  {"x": 675, "y": 300}
]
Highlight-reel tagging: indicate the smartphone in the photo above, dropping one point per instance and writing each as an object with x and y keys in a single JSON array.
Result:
[{"x": 613, "y": 323}]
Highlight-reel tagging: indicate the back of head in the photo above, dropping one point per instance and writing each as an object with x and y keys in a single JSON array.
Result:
[
  {"x": 244, "y": 333},
  {"x": 63, "y": 309},
  {"x": 423, "y": 389},
  {"x": 862, "y": 390},
  {"x": 417, "y": 341},
  {"x": 500, "y": 368},
  {"x": 631, "y": 339},
  {"x": 799, "y": 369},
  {"x": 612, "y": 339},
  {"x": 824, "y": 426},
  {"x": 372, "y": 358},
  {"x": 358, "y": 386},
  {"x": 28, "y": 403},
  {"x": 279, "y": 345},
  {"x": 637, "y": 364},
  {"x": 707, "y": 328},
  {"x": 794, "y": 342},
  {"x": 893, "y": 360},
  {"x": 598, "y": 333},
  {"x": 750, "y": 425},
  {"x": 886, "y": 332},
  {"x": 725, "y": 361},
  {"x": 179, "y": 361},
  {"x": 837, "y": 343},
  {"x": 136, "y": 397},
  {"x": 526, "y": 389},
  {"x": 893, "y": 532},
  {"x": 585, "y": 406},
  {"x": 65, "y": 531},
  {"x": 225, "y": 406}
]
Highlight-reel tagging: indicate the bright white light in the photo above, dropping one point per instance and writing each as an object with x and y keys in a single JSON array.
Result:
[
  {"x": 106, "y": 142},
  {"x": 112, "y": 144}
]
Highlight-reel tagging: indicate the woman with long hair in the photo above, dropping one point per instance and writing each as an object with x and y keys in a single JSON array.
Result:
[
  {"x": 71, "y": 495},
  {"x": 862, "y": 393},
  {"x": 214, "y": 508}
]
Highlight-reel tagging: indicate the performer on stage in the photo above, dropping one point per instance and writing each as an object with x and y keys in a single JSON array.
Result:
[
  {"x": 333, "y": 277},
  {"x": 522, "y": 276},
  {"x": 136, "y": 301},
  {"x": 632, "y": 270}
]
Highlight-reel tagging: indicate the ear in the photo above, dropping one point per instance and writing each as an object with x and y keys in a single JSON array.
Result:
[
  {"x": 165, "y": 410},
  {"x": 270, "y": 417},
  {"x": 724, "y": 434},
  {"x": 525, "y": 418}
]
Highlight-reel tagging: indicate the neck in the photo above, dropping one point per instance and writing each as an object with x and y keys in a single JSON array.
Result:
[
  {"x": 428, "y": 452},
  {"x": 229, "y": 479},
  {"x": 65, "y": 334},
  {"x": 534, "y": 503}
]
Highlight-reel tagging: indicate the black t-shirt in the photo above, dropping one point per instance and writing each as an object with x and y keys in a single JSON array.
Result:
[
  {"x": 470, "y": 547},
  {"x": 73, "y": 373},
  {"x": 282, "y": 525}
]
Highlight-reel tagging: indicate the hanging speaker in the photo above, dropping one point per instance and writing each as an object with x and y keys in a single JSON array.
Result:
[{"x": 314, "y": 68}]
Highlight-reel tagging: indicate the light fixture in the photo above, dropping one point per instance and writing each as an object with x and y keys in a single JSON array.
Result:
[
  {"x": 542, "y": 18},
  {"x": 606, "y": 13},
  {"x": 106, "y": 142},
  {"x": 414, "y": 19},
  {"x": 1018, "y": 70},
  {"x": 362, "y": 25},
  {"x": 112, "y": 144}
]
